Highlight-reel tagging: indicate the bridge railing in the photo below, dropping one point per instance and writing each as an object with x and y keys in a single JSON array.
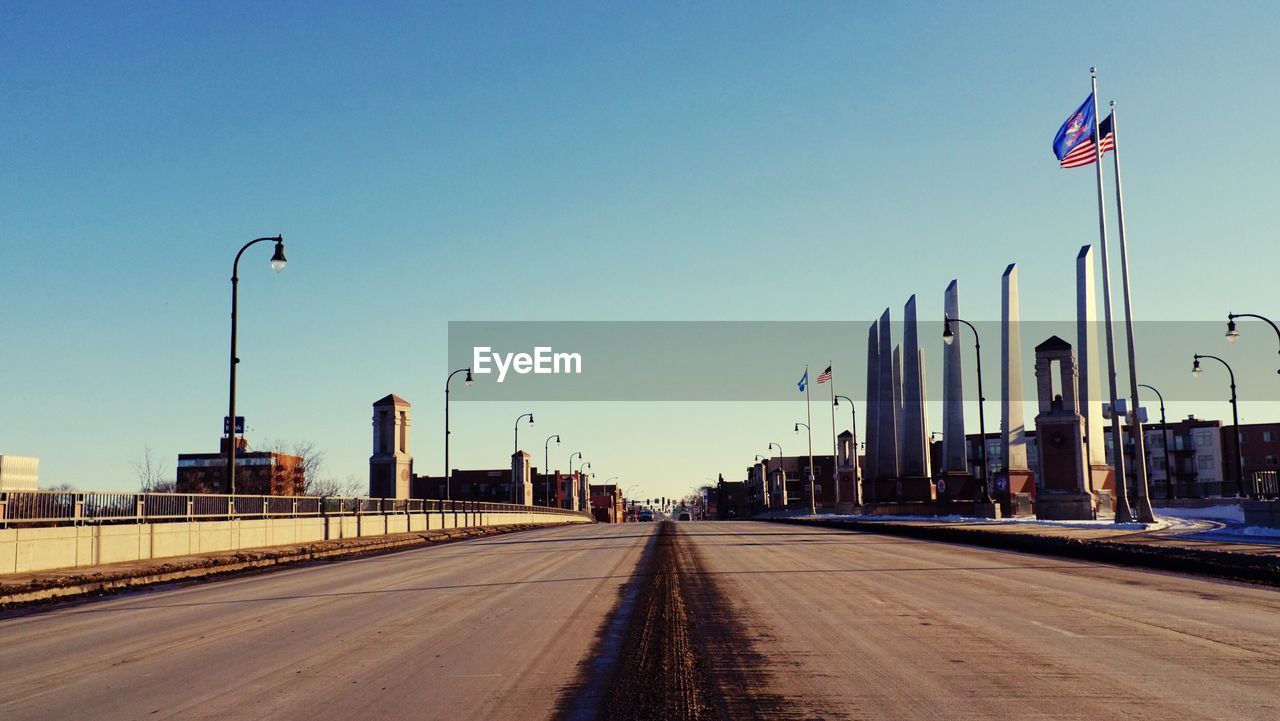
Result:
[
  {"x": 1266, "y": 484},
  {"x": 54, "y": 508}
]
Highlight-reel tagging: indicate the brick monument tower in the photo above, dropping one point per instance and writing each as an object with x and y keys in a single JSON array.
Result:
[{"x": 391, "y": 465}]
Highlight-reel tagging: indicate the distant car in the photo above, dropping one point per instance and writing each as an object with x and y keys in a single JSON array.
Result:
[
  {"x": 646, "y": 516},
  {"x": 684, "y": 516}
]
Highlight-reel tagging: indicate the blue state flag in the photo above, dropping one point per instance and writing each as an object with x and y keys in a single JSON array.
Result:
[
  {"x": 804, "y": 380},
  {"x": 1078, "y": 129}
]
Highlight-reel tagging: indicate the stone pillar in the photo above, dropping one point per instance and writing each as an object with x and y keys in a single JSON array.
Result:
[
  {"x": 914, "y": 438},
  {"x": 886, "y": 415},
  {"x": 391, "y": 465},
  {"x": 521, "y": 479},
  {"x": 1015, "y": 485},
  {"x": 778, "y": 488},
  {"x": 1101, "y": 475},
  {"x": 1063, "y": 492},
  {"x": 957, "y": 481},
  {"x": 872, "y": 419}
]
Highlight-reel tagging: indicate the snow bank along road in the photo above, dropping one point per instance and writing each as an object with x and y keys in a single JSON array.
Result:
[{"x": 677, "y": 620}]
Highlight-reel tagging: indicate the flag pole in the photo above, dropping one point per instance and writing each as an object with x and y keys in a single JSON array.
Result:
[
  {"x": 835, "y": 444},
  {"x": 1141, "y": 497},
  {"x": 808, "y": 412},
  {"x": 1122, "y": 496}
]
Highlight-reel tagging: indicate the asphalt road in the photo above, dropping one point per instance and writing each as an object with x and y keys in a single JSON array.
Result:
[
  {"x": 483, "y": 629},
  {"x": 791, "y": 622},
  {"x": 861, "y": 626}
]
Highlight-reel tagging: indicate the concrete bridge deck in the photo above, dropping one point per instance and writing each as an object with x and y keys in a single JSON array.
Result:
[{"x": 758, "y": 620}]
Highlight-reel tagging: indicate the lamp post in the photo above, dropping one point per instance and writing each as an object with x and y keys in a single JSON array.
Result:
[
  {"x": 853, "y": 428},
  {"x": 1233, "y": 335},
  {"x": 448, "y": 474},
  {"x": 1164, "y": 434},
  {"x": 546, "y": 471},
  {"x": 948, "y": 337},
  {"x": 760, "y": 457},
  {"x": 1235, "y": 413},
  {"x": 277, "y": 264},
  {"x": 517, "y": 431},
  {"x": 571, "y": 478},
  {"x": 813, "y": 501},
  {"x": 586, "y": 486},
  {"x": 779, "y": 447}
]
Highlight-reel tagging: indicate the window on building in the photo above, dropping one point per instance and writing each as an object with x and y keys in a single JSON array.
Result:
[
  {"x": 1269, "y": 436},
  {"x": 1157, "y": 463},
  {"x": 1272, "y": 461},
  {"x": 1157, "y": 440},
  {"x": 404, "y": 432},
  {"x": 1244, "y": 437},
  {"x": 1204, "y": 461},
  {"x": 1204, "y": 439}
]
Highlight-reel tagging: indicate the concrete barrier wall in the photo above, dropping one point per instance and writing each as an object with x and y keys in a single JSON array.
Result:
[{"x": 23, "y": 550}]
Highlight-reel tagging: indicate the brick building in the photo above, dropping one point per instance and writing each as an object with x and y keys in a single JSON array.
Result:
[
  {"x": 258, "y": 473},
  {"x": 607, "y": 505}
]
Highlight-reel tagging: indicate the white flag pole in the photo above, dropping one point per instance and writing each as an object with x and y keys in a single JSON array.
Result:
[
  {"x": 1122, "y": 497},
  {"x": 1141, "y": 499}
]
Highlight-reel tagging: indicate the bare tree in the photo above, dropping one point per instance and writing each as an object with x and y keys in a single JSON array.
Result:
[
  {"x": 150, "y": 473},
  {"x": 310, "y": 465}
]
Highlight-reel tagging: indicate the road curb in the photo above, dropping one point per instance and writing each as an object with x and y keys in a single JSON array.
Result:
[
  {"x": 1246, "y": 567},
  {"x": 64, "y": 587}
]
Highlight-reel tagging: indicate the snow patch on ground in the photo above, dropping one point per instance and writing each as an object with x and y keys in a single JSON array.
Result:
[
  {"x": 1102, "y": 524},
  {"x": 1228, "y": 512}
]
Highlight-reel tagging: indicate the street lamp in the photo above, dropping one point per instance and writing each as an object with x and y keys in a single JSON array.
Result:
[
  {"x": 1233, "y": 335},
  {"x": 1164, "y": 433},
  {"x": 517, "y": 430},
  {"x": 813, "y": 500},
  {"x": 1235, "y": 413},
  {"x": 277, "y": 264},
  {"x": 948, "y": 337},
  {"x": 586, "y": 486},
  {"x": 448, "y": 486},
  {"x": 546, "y": 471},
  {"x": 778, "y": 446},
  {"x": 760, "y": 457}
]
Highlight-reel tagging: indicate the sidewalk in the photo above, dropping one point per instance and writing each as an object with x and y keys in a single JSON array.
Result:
[
  {"x": 25, "y": 588},
  {"x": 1172, "y": 546}
]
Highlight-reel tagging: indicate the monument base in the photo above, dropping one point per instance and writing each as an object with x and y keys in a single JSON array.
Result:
[
  {"x": 957, "y": 486},
  {"x": 969, "y": 509},
  {"x": 886, "y": 490},
  {"x": 1065, "y": 506},
  {"x": 915, "y": 489},
  {"x": 1015, "y": 491}
]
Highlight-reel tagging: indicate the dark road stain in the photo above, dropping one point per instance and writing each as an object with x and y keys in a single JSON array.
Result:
[{"x": 684, "y": 654}]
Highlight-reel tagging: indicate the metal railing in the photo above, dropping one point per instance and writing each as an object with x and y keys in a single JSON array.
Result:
[
  {"x": 1266, "y": 484},
  {"x": 54, "y": 508}
]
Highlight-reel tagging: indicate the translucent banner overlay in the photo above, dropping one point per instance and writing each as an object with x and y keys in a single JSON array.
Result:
[{"x": 764, "y": 361}]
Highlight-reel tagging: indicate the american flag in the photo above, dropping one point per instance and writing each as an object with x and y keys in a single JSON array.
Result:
[
  {"x": 825, "y": 375},
  {"x": 1083, "y": 154}
]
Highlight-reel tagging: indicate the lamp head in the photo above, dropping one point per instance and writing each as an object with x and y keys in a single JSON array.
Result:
[
  {"x": 278, "y": 260},
  {"x": 530, "y": 419},
  {"x": 1195, "y": 368},
  {"x": 1232, "y": 334},
  {"x": 797, "y": 428},
  {"x": 469, "y": 379},
  {"x": 947, "y": 336}
]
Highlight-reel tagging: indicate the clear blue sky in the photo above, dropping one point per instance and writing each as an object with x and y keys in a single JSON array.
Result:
[{"x": 430, "y": 162}]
